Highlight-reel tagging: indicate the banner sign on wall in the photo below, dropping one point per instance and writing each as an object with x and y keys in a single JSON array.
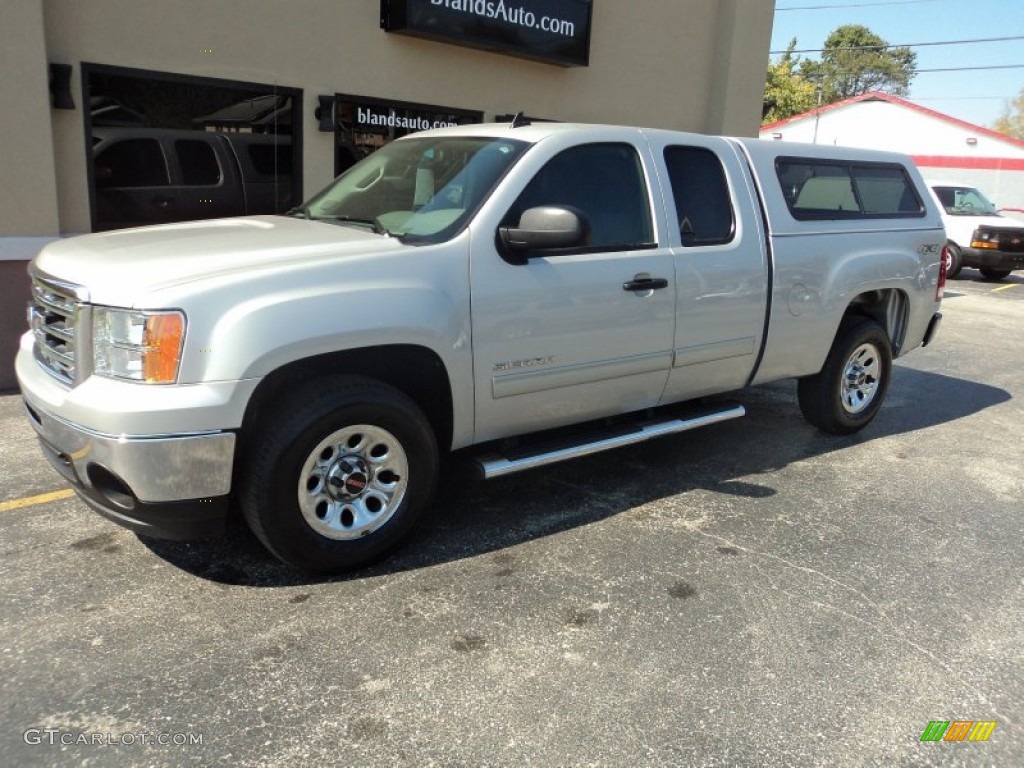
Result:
[{"x": 554, "y": 31}]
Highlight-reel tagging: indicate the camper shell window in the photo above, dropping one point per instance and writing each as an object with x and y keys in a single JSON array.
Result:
[{"x": 839, "y": 189}]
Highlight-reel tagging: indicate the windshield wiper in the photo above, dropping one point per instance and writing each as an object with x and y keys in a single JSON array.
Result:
[{"x": 373, "y": 223}]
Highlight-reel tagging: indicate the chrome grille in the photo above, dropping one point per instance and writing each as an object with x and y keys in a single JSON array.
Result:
[
  {"x": 1011, "y": 242},
  {"x": 53, "y": 316}
]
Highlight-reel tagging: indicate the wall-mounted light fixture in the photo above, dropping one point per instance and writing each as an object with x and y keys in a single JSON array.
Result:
[
  {"x": 324, "y": 113},
  {"x": 971, "y": 141},
  {"x": 60, "y": 86},
  {"x": 776, "y": 135}
]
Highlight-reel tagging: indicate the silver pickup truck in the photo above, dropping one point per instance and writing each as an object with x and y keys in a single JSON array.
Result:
[{"x": 521, "y": 294}]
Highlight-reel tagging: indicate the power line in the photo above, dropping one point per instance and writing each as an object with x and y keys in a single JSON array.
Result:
[
  {"x": 970, "y": 69},
  {"x": 904, "y": 45},
  {"x": 839, "y": 72},
  {"x": 851, "y": 5}
]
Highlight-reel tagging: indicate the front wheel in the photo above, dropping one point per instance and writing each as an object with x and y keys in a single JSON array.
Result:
[
  {"x": 994, "y": 274},
  {"x": 848, "y": 391},
  {"x": 338, "y": 474}
]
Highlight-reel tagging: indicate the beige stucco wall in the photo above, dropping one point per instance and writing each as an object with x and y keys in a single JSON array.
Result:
[
  {"x": 686, "y": 64},
  {"x": 693, "y": 65},
  {"x": 28, "y": 193}
]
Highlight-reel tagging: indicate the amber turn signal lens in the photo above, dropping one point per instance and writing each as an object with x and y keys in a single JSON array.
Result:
[{"x": 162, "y": 342}]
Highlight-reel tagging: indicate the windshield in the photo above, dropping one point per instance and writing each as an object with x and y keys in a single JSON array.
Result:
[
  {"x": 424, "y": 188},
  {"x": 965, "y": 201}
]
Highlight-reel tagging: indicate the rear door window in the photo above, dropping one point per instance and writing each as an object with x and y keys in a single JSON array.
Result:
[{"x": 703, "y": 206}]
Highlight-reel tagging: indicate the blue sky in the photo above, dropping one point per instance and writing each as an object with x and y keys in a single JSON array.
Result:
[{"x": 975, "y": 96}]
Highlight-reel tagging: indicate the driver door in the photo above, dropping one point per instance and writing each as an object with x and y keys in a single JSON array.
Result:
[{"x": 564, "y": 336}]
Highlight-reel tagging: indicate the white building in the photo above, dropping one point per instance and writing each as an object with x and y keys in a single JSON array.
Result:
[{"x": 943, "y": 147}]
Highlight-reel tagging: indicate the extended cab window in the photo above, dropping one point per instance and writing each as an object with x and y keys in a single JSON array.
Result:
[
  {"x": 604, "y": 182},
  {"x": 816, "y": 189},
  {"x": 270, "y": 160},
  {"x": 199, "y": 166},
  {"x": 703, "y": 207}
]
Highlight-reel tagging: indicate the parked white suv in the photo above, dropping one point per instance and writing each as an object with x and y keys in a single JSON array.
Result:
[{"x": 979, "y": 236}]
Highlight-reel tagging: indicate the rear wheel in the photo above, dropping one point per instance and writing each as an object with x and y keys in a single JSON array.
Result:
[
  {"x": 994, "y": 274},
  {"x": 848, "y": 391},
  {"x": 954, "y": 260},
  {"x": 339, "y": 473}
]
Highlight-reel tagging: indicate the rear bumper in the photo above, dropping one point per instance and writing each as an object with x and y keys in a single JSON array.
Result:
[
  {"x": 933, "y": 326},
  {"x": 166, "y": 486},
  {"x": 978, "y": 257}
]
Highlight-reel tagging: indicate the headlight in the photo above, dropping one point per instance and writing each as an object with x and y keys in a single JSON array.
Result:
[{"x": 140, "y": 346}]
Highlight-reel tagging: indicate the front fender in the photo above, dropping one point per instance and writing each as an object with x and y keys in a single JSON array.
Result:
[{"x": 245, "y": 326}]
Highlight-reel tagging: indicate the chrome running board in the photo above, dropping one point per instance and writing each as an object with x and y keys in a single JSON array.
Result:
[{"x": 496, "y": 465}]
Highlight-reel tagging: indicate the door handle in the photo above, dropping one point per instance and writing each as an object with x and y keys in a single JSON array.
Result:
[{"x": 645, "y": 284}]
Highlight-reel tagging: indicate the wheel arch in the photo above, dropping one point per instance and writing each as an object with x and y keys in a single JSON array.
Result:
[
  {"x": 889, "y": 307},
  {"x": 414, "y": 370}
]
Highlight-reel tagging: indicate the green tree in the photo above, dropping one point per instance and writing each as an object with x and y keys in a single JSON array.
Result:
[
  {"x": 1011, "y": 122},
  {"x": 786, "y": 91},
  {"x": 855, "y": 60}
]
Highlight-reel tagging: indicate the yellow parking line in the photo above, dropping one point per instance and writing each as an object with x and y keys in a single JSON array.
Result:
[
  {"x": 42, "y": 498},
  {"x": 1006, "y": 287}
]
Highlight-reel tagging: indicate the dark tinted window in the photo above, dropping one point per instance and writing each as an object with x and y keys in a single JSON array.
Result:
[
  {"x": 132, "y": 163},
  {"x": 198, "y": 163},
  {"x": 703, "y": 208},
  {"x": 271, "y": 159},
  {"x": 603, "y": 181},
  {"x": 817, "y": 189},
  {"x": 885, "y": 189}
]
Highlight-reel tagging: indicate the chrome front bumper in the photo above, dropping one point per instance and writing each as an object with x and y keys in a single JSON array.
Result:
[
  {"x": 173, "y": 486},
  {"x": 157, "y": 468}
]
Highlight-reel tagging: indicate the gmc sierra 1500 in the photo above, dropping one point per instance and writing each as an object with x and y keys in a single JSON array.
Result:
[{"x": 481, "y": 289}]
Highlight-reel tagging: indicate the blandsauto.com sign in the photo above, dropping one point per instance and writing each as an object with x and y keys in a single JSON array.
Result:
[{"x": 556, "y": 31}]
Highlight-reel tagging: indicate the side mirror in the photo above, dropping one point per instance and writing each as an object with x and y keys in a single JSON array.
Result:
[{"x": 547, "y": 228}]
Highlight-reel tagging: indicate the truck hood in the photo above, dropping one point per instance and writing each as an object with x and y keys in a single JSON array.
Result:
[
  {"x": 960, "y": 228},
  {"x": 117, "y": 268}
]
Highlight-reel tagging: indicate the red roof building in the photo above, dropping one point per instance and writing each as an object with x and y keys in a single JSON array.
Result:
[{"x": 943, "y": 147}]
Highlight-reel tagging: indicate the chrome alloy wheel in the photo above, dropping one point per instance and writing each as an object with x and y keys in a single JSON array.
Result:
[
  {"x": 353, "y": 481},
  {"x": 860, "y": 379}
]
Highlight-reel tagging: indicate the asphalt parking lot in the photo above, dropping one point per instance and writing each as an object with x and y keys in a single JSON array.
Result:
[{"x": 753, "y": 594}]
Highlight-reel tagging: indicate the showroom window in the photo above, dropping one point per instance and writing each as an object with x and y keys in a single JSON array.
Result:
[
  {"x": 166, "y": 147},
  {"x": 364, "y": 124}
]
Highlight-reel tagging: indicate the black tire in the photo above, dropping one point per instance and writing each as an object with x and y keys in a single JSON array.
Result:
[
  {"x": 955, "y": 260},
  {"x": 994, "y": 274},
  {"x": 338, "y": 474},
  {"x": 848, "y": 391}
]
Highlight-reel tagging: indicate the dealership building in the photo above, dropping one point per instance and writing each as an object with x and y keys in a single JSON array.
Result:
[{"x": 128, "y": 112}]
